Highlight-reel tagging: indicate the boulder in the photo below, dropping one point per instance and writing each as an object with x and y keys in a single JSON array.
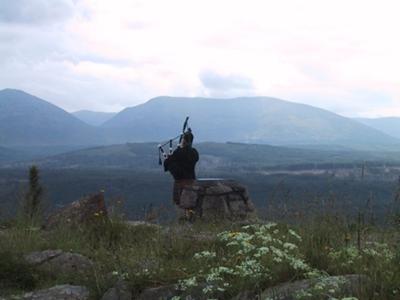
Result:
[
  {"x": 217, "y": 199},
  {"x": 158, "y": 293},
  {"x": 332, "y": 287},
  {"x": 39, "y": 257},
  {"x": 59, "y": 292},
  {"x": 59, "y": 262},
  {"x": 168, "y": 292},
  {"x": 120, "y": 291},
  {"x": 86, "y": 210}
]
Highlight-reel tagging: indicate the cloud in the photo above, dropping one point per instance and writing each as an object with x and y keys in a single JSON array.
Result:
[
  {"x": 35, "y": 12},
  {"x": 217, "y": 85},
  {"x": 104, "y": 55}
]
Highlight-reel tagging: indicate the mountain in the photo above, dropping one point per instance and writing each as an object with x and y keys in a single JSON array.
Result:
[
  {"x": 250, "y": 120},
  {"x": 93, "y": 118},
  {"x": 26, "y": 120},
  {"x": 213, "y": 156},
  {"x": 388, "y": 125}
]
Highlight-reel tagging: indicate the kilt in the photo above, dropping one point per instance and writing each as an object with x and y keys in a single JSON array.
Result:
[{"x": 178, "y": 188}]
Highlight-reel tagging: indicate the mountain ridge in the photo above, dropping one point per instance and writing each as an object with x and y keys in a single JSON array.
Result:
[
  {"x": 244, "y": 119},
  {"x": 388, "y": 125},
  {"x": 28, "y": 120},
  {"x": 93, "y": 118}
]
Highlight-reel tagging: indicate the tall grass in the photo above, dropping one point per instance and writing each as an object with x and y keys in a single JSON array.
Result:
[{"x": 332, "y": 243}]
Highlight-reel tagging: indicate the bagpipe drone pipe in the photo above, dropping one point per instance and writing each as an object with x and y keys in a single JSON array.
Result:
[{"x": 162, "y": 154}]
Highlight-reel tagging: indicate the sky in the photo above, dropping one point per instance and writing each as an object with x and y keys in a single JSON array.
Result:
[{"x": 103, "y": 55}]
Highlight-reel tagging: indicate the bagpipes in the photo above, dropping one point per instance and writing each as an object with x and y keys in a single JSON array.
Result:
[{"x": 161, "y": 151}]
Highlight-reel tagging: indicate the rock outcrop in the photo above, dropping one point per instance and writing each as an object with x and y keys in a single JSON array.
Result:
[
  {"x": 83, "y": 211},
  {"x": 162, "y": 292},
  {"x": 331, "y": 286},
  {"x": 56, "y": 262},
  {"x": 217, "y": 199},
  {"x": 59, "y": 292},
  {"x": 120, "y": 291}
]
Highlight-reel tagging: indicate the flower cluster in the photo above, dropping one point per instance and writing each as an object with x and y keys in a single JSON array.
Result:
[
  {"x": 351, "y": 259},
  {"x": 120, "y": 275},
  {"x": 254, "y": 255}
]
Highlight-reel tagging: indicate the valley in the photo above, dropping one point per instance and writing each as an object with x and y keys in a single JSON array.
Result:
[{"x": 288, "y": 154}]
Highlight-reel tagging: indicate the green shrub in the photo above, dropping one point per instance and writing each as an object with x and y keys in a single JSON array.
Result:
[{"x": 15, "y": 273}]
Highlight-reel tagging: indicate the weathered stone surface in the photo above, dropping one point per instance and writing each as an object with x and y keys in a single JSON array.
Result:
[
  {"x": 217, "y": 199},
  {"x": 83, "y": 211},
  {"x": 70, "y": 262},
  {"x": 57, "y": 261},
  {"x": 188, "y": 198},
  {"x": 169, "y": 291},
  {"x": 214, "y": 207},
  {"x": 120, "y": 291},
  {"x": 158, "y": 293},
  {"x": 238, "y": 209},
  {"x": 36, "y": 258},
  {"x": 59, "y": 292},
  {"x": 220, "y": 188},
  {"x": 347, "y": 285}
]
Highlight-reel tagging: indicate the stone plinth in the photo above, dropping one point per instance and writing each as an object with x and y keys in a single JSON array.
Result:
[{"x": 216, "y": 198}]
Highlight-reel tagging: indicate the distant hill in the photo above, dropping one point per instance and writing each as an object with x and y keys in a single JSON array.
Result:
[
  {"x": 8, "y": 155},
  {"x": 27, "y": 120},
  {"x": 23, "y": 153},
  {"x": 93, "y": 118},
  {"x": 213, "y": 156},
  {"x": 389, "y": 125},
  {"x": 250, "y": 120}
]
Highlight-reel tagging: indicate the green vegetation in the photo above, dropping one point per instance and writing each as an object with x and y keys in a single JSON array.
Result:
[
  {"x": 218, "y": 260},
  {"x": 325, "y": 224},
  {"x": 33, "y": 200},
  {"x": 15, "y": 273},
  {"x": 214, "y": 156},
  {"x": 287, "y": 194}
]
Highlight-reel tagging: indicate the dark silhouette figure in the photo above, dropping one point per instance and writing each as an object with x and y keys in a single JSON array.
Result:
[{"x": 181, "y": 164}]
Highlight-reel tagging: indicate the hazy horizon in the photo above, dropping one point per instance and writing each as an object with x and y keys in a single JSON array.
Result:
[{"x": 166, "y": 96}]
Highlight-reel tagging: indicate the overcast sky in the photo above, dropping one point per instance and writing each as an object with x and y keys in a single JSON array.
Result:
[{"x": 342, "y": 55}]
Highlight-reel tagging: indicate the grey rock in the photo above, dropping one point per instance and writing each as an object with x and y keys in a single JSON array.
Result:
[
  {"x": 57, "y": 261},
  {"x": 70, "y": 262},
  {"x": 347, "y": 285},
  {"x": 238, "y": 209},
  {"x": 120, "y": 291},
  {"x": 36, "y": 258},
  {"x": 218, "y": 188},
  {"x": 215, "y": 207},
  {"x": 216, "y": 200},
  {"x": 188, "y": 199},
  {"x": 168, "y": 291},
  {"x": 158, "y": 293},
  {"x": 59, "y": 292}
]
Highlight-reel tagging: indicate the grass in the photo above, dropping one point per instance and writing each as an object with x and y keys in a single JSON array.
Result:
[{"x": 150, "y": 256}]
